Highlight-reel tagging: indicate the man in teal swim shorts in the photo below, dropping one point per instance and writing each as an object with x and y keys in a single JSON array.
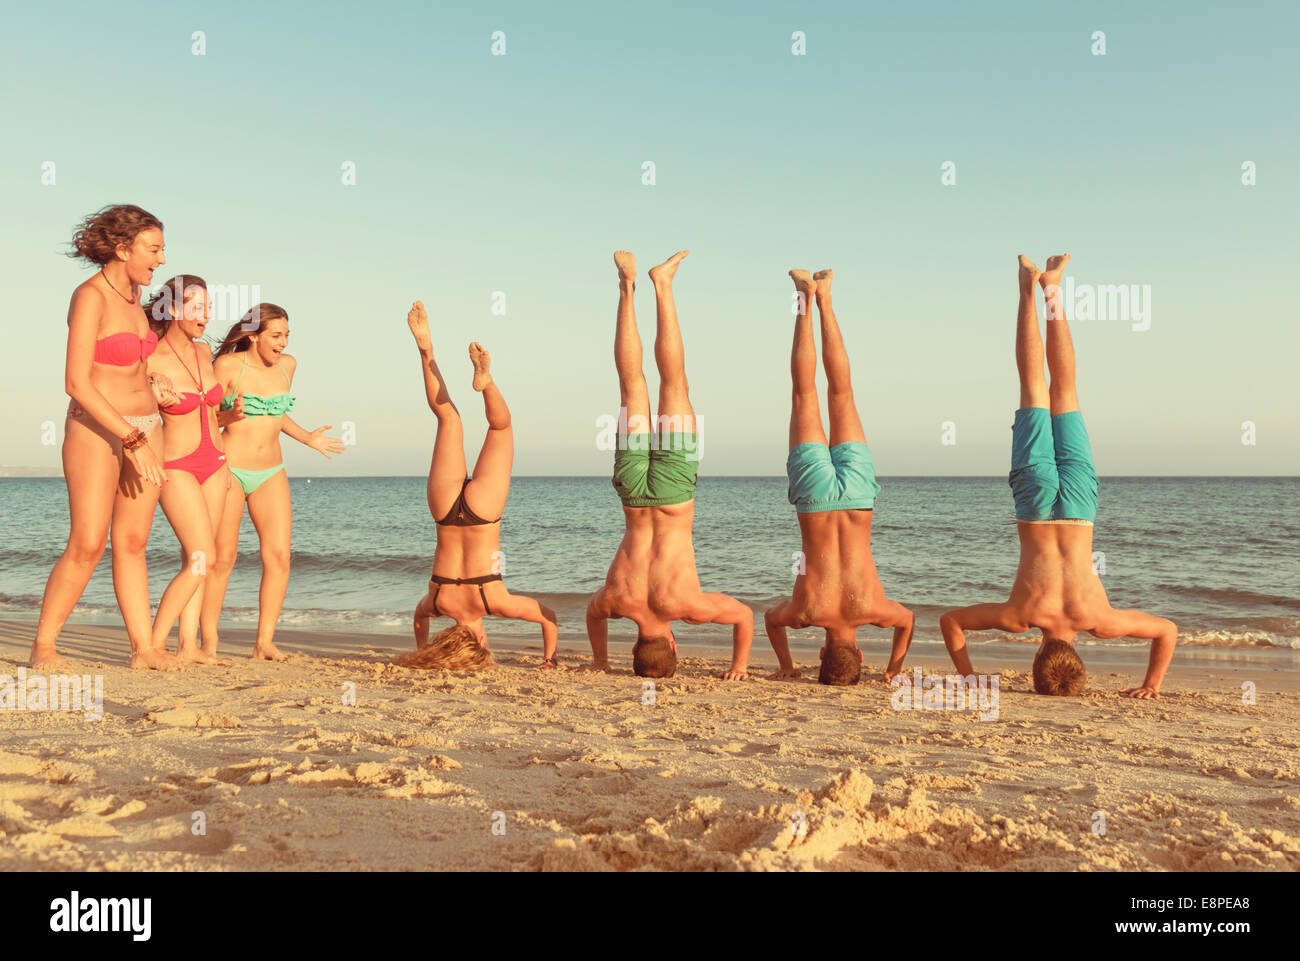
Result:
[
  {"x": 653, "y": 580},
  {"x": 1054, "y": 485},
  {"x": 833, "y": 488}
]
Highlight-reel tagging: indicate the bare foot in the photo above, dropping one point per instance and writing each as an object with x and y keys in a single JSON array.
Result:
[
  {"x": 1029, "y": 275},
  {"x": 481, "y": 360},
  {"x": 193, "y": 654},
  {"x": 665, "y": 272},
  {"x": 418, "y": 320},
  {"x": 267, "y": 652},
  {"x": 824, "y": 278},
  {"x": 625, "y": 261},
  {"x": 1051, "y": 276},
  {"x": 154, "y": 659},
  {"x": 46, "y": 658},
  {"x": 804, "y": 283}
]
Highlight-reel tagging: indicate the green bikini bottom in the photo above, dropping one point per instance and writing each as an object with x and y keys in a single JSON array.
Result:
[{"x": 251, "y": 480}]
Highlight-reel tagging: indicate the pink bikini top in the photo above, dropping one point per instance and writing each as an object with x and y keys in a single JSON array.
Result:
[
  {"x": 124, "y": 349},
  {"x": 190, "y": 401}
]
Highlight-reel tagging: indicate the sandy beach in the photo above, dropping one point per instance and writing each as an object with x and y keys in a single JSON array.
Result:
[{"x": 261, "y": 766}]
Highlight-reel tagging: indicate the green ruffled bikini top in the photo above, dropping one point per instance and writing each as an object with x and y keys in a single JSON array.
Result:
[{"x": 255, "y": 405}]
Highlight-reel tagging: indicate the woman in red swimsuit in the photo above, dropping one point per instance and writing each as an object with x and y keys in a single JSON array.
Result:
[
  {"x": 112, "y": 437},
  {"x": 197, "y": 478}
]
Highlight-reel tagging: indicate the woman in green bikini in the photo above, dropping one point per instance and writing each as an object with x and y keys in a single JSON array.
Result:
[{"x": 256, "y": 374}]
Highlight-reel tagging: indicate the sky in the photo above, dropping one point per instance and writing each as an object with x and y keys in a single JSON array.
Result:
[{"x": 914, "y": 148}]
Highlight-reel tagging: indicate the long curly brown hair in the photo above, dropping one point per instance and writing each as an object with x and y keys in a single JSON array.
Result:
[{"x": 98, "y": 236}]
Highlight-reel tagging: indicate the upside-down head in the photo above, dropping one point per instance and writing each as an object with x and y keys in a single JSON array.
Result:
[
  {"x": 1058, "y": 669},
  {"x": 456, "y": 648},
  {"x": 841, "y": 664},
  {"x": 654, "y": 656}
]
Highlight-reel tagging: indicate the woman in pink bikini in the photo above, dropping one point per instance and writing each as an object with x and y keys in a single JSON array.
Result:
[
  {"x": 112, "y": 438},
  {"x": 197, "y": 477}
]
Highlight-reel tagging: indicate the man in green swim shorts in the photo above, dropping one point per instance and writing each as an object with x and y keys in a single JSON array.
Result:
[
  {"x": 1054, "y": 485},
  {"x": 653, "y": 580},
  {"x": 833, "y": 487}
]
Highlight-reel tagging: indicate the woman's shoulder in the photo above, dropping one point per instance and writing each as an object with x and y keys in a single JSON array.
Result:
[
  {"x": 224, "y": 362},
  {"x": 289, "y": 361}
]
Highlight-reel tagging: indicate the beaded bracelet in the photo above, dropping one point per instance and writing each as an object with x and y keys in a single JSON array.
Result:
[{"x": 135, "y": 440}]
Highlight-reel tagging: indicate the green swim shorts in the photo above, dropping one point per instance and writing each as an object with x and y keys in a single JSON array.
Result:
[{"x": 659, "y": 475}]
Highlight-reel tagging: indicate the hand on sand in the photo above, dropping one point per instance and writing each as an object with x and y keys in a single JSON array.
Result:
[
  {"x": 785, "y": 674},
  {"x": 734, "y": 674},
  {"x": 1144, "y": 692},
  {"x": 892, "y": 672},
  {"x": 593, "y": 667}
]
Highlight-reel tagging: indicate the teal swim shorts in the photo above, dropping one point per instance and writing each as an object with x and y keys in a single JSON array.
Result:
[
  {"x": 1052, "y": 474},
  {"x": 836, "y": 478},
  {"x": 658, "y": 476}
]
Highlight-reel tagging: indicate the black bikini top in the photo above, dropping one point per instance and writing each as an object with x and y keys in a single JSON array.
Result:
[{"x": 460, "y": 515}]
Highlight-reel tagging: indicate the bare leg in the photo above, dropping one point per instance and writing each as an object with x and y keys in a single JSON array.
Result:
[
  {"x": 1029, "y": 341},
  {"x": 805, "y": 412},
  {"x": 269, "y": 507},
  {"x": 674, "y": 393},
  {"x": 633, "y": 395},
  {"x": 187, "y": 512},
  {"x": 1060, "y": 348},
  {"x": 214, "y": 588},
  {"x": 91, "y": 468},
  {"x": 491, "y": 484},
  {"x": 133, "y": 511},
  {"x": 214, "y": 498},
  {"x": 846, "y": 425},
  {"x": 447, "y": 471}
]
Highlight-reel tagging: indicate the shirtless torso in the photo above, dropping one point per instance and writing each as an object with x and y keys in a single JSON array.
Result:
[
  {"x": 839, "y": 589},
  {"x": 653, "y": 582}
]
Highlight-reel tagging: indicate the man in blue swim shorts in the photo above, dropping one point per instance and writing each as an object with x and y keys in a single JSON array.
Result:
[
  {"x": 833, "y": 488},
  {"x": 1054, "y": 485}
]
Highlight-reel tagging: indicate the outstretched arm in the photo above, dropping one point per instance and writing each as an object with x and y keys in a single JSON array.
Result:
[
  {"x": 1163, "y": 635},
  {"x": 722, "y": 609},
  {"x": 977, "y": 617},
  {"x": 598, "y": 631},
  {"x": 775, "y": 622},
  {"x": 903, "y": 622},
  {"x": 315, "y": 439},
  {"x": 528, "y": 609}
]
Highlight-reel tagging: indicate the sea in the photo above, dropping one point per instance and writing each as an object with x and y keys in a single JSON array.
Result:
[{"x": 1219, "y": 556}]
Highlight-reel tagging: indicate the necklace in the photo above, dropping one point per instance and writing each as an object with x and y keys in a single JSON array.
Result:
[{"x": 129, "y": 300}]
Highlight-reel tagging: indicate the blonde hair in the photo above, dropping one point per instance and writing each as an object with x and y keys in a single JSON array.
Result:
[{"x": 454, "y": 649}]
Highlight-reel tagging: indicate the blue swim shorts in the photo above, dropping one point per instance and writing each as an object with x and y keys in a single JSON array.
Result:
[
  {"x": 831, "y": 478},
  {"x": 1052, "y": 474}
]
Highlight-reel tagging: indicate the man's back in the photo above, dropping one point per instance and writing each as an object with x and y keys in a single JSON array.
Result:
[
  {"x": 839, "y": 585},
  {"x": 653, "y": 574},
  {"x": 1056, "y": 587}
]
